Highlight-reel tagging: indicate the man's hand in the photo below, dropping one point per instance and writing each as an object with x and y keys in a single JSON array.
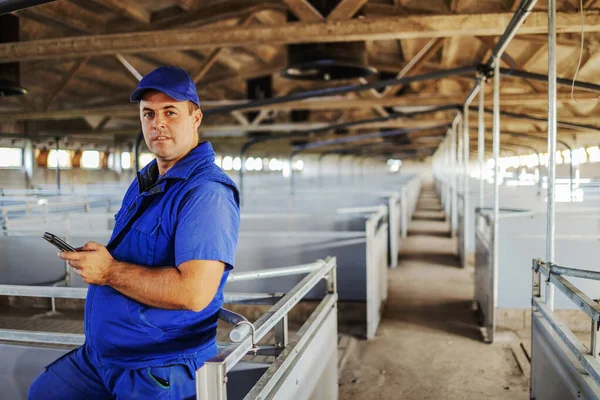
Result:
[{"x": 92, "y": 262}]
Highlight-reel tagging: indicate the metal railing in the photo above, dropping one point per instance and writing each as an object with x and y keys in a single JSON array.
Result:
[
  {"x": 42, "y": 210},
  {"x": 211, "y": 379},
  {"x": 54, "y": 292},
  {"x": 587, "y": 356}
]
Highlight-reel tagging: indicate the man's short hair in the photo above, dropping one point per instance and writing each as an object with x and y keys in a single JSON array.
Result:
[{"x": 192, "y": 107}]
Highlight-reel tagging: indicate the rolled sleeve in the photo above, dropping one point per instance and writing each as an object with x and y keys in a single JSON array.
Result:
[{"x": 207, "y": 227}]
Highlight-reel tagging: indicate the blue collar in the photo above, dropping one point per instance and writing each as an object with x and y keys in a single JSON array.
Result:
[{"x": 183, "y": 169}]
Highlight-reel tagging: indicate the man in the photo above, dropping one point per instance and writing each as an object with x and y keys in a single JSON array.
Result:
[{"x": 155, "y": 290}]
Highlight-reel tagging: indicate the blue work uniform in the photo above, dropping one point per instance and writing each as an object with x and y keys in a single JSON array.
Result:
[{"x": 190, "y": 213}]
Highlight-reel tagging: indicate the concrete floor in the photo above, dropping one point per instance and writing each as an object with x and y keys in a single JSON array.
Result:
[{"x": 428, "y": 345}]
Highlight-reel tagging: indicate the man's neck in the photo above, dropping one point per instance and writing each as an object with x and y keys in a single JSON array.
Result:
[{"x": 165, "y": 165}]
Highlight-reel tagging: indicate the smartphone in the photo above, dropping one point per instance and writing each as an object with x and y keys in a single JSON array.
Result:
[{"x": 58, "y": 242}]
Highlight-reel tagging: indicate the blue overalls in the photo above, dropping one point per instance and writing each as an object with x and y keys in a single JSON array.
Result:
[{"x": 133, "y": 350}]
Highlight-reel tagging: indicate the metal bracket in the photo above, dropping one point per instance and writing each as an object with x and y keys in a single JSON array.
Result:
[
  {"x": 536, "y": 265},
  {"x": 485, "y": 71},
  {"x": 254, "y": 348}
]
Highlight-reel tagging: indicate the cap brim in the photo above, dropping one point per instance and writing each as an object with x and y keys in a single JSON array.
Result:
[{"x": 139, "y": 93}]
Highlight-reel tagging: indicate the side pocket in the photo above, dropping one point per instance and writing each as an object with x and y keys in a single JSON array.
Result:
[
  {"x": 158, "y": 381},
  {"x": 136, "y": 315}
]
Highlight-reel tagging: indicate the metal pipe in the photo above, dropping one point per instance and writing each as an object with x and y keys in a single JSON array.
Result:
[
  {"x": 374, "y": 135},
  {"x": 552, "y": 124},
  {"x": 576, "y": 273},
  {"x": 57, "y": 164},
  {"x": 481, "y": 142},
  {"x": 8, "y": 6},
  {"x": 562, "y": 124},
  {"x": 496, "y": 150},
  {"x": 342, "y": 90},
  {"x": 515, "y": 23},
  {"x": 544, "y": 78},
  {"x": 275, "y": 272}
]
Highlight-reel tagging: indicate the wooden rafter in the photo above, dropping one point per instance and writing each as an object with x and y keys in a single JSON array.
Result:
[
  {"x": 416, "y": 63},
  {"x": 70, "y": 15},
  {"x": 199, "y": 73},
  {"x": 408, "y": 27},
  {"x": 130, "y": 10},
  {"x": 345, "y": 10},
  {"x": 304, "y": 11},
  {"x": 188, "y": 5},
  {"x": 72, "y": 72},
  {"x": 211, "y": 12}
]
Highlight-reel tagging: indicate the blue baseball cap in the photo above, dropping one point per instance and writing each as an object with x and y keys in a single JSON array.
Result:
[{"x": 172, "y": 81}]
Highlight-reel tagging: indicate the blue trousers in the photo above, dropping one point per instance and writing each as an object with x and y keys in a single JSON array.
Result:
[{"x": 80, "y": 374}]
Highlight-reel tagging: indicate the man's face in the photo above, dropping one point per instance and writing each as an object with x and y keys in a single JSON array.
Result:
[{"x": 169, "y": 130}]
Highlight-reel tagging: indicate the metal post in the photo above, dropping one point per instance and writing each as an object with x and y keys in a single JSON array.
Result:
[
  {"x": 211, "y": 382},
  {"x": 448, "y": 166},
  {"x": 466, "y": 139},
  {"x": 536, "y": 281},
  {"x": 292, "y": 188},
  {"x": 459, "y": 157},
  {"x": 58, "y": 164},
  {"x": 453, "y": 169},
  {"x": 339, "y": 180},
  {"x": 571, "y": 174},
  {"x": 594, "y": 340},
  {"x": 320, "y": 162},
  {"x": 496, "y": 149},
  {"x": 136, "y": 150},
  {"x": 281, "y": 332},
  {"x": 241, "y": 177},
  {"x": 539, "y": 174},
  {"x": 481, "y": 142},
  {"x": 551, "y": 145}
]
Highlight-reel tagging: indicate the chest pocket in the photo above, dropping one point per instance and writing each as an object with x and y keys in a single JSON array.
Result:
[{"x": 146, "y": 231}]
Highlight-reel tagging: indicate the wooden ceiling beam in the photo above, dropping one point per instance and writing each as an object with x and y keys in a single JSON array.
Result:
[{"x": 406, "y": 27}]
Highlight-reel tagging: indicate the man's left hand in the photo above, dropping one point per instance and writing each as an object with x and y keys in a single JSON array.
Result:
[{"x": 92, "y": 262}]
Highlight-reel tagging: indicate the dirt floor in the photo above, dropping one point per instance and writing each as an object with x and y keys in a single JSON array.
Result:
[{"x": 428, "y": 345}]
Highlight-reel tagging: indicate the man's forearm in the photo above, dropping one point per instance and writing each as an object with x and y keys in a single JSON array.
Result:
[{"x": 156, "y": 287}]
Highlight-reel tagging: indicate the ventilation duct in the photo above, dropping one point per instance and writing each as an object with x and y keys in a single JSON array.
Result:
[
  {"x": 10, "y": 72},
  {"x": 326, "y": 61}
]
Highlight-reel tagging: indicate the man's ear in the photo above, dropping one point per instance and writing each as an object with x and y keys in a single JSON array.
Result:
[{"x": 197, "y": 118}]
